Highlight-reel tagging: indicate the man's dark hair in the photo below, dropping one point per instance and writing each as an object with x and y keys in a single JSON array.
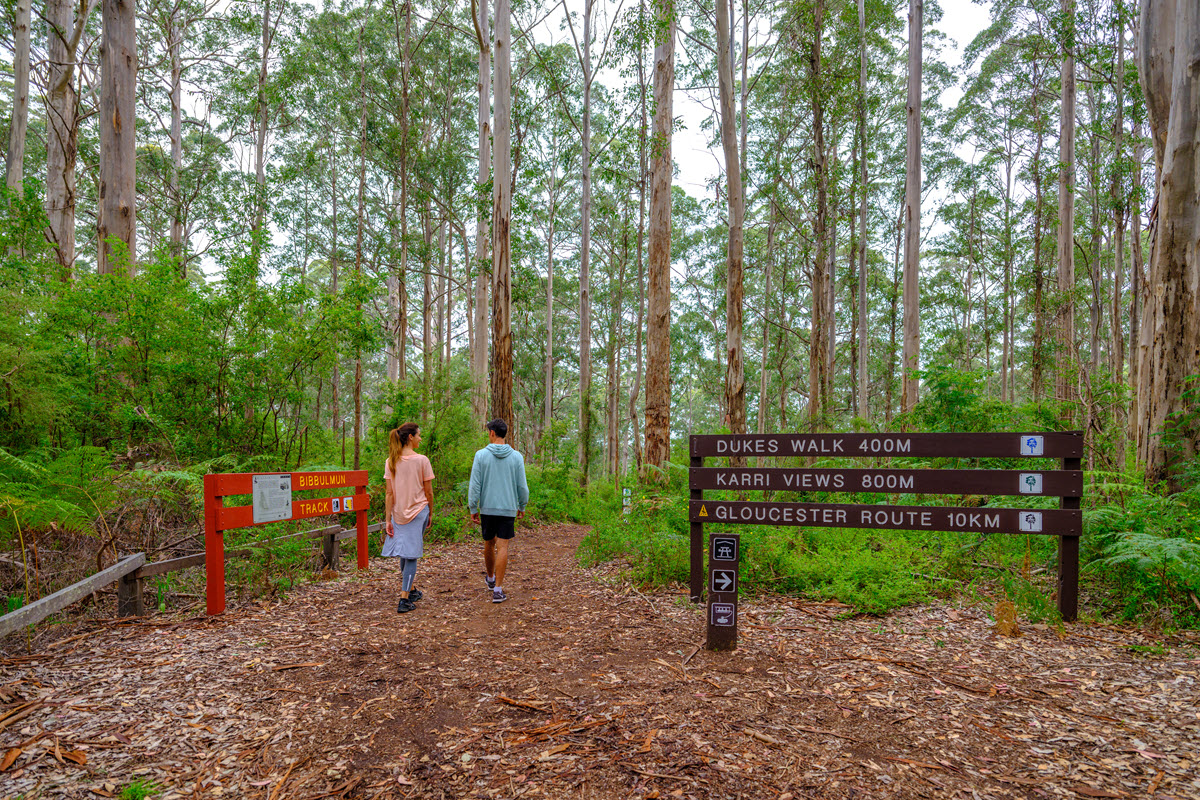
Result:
[{"x": 498, "y": 426}]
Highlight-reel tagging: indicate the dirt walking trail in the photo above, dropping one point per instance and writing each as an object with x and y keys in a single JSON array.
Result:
[{"x": 582, "y": 686}]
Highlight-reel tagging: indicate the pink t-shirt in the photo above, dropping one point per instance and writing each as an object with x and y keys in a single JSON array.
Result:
[{"x": 408, "y": 486}]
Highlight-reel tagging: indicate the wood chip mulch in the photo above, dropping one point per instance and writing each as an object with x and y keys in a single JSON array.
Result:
[{"x": 582, "y": 686}]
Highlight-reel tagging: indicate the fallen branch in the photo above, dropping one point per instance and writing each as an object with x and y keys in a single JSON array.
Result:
[
  {"x": 762, "y": 737},
  {"x": 521, "y": 704}
]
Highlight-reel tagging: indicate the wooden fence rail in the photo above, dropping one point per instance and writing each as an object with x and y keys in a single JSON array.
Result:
[{"x": 130, "y": 573}]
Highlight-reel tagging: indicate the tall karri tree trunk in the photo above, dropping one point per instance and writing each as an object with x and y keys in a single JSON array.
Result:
[
  {"x": 14, "y": 162},
  {"x": 864, "y": 407},
  {"x": 1169, "y": 414},
  {"x": 818, "y": 345},
  {"x": 658, "y": 294},
  {"x": 502, "y": 345},
  {"x": 175, "y": 46},
  {"x": 585, "y": 250},
  {"x": 1118, "y": 204},
  {"x": 261, "y": 124},
  {"x": 643, "y": 124},
  {"x": 735, "y": 382},
  {"x": 118, "y": 195},
  {"x": 62, "y": 127},
  {"x": 1066, "y": 372},
  {"x": 361, "y": 220},
  {"x": 391, "y": 326},
  {"x": 911, "y": 360},
  {"x": 479, "y": 369}
]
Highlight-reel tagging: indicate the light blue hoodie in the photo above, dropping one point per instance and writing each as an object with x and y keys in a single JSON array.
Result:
[{"x": 498, "y": 485}]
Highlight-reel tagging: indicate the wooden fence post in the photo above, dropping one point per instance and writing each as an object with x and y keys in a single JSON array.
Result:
[
  {"x": 330, "y": 550},
  {"x": 129, "y": 595}
]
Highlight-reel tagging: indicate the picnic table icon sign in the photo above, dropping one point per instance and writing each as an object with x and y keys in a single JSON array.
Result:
[{"x": 724, "y": 548}]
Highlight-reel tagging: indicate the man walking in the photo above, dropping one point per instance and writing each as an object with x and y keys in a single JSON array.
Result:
[{"x": 496, "y": 498}]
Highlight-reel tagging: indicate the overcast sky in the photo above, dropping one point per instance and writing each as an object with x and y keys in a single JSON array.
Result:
[{"x": 698, "y": 163}]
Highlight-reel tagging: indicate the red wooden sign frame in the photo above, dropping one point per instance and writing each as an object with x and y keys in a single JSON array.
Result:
[{"x": 218, "y": 518}]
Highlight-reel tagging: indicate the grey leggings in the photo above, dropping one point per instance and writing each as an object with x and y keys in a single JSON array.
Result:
[{"x": 409, "y": 572}]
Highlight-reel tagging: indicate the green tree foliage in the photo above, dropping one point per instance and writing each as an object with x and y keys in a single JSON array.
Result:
[{"x": 238, "y": 351}]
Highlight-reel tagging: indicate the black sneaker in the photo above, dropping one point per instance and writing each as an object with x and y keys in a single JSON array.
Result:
[
  {"x": 415, "y": 595},
  {"x": 498, "y": 596},
  {"x": 490, "y": 581},
  {"x": 405, "y": 605}
]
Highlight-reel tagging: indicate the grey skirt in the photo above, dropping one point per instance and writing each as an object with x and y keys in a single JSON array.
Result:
[{"x": 407, "y": 540}]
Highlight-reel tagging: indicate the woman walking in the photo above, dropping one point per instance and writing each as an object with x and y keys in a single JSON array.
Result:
[{"x": 408, "y": 477}]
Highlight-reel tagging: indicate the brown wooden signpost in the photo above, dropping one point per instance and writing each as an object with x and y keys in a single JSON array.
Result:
[
  {"x": 272, "y": 501},
  {"x": 1065, "y": 522}
]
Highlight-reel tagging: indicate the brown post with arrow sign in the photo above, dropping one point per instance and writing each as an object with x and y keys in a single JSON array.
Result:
[{"x": 725, "y": 550}]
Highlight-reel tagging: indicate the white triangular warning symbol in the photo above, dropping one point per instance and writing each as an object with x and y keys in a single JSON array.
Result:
[{"x": 703, "y": 513}]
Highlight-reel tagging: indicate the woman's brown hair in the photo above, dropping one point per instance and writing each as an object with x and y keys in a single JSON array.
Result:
[{"x": 398, "y": 440}]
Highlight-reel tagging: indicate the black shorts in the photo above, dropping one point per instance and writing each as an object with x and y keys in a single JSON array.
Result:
[{"x": 497, "y": 527}]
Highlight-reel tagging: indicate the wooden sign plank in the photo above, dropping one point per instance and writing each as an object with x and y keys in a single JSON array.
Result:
[
  {"x": 1052, "y": 483},
  {"x": 242, "y": 483},
  {"x": 874, "y": 445},
  {"x": 243, "y": 516},
  {"x": 1048, "y": 522}
]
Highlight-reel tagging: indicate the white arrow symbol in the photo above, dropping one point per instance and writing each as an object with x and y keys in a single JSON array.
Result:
[{"x": 722, "y": 581}]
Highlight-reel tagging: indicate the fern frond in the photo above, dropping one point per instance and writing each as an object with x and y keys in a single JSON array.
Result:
[{"x": 12, "y": 466}]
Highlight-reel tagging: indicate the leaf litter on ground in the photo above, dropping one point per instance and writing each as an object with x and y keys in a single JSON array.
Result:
[{"x": 582, "y": 685}]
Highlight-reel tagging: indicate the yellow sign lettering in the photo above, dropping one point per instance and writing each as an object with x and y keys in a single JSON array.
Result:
[{"x": 321, "y": 480}]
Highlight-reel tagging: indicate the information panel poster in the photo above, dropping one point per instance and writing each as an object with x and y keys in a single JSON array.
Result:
[{"x": 272, "y": 497}]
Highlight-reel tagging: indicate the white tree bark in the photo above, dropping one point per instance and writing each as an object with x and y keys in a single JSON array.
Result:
[
  {"x": 735, "y": 383},
  {"x": 118, "y": 195},
  {"x": 910, "y": 361},
  {"x": 1066, "y": 372},
  {"x": 585, "y": 249},
  {"x": 174, "y": 46},
  {"x": 391, "y": 326},
  {"x": 14, "y": 162},
  {"x": 479, "y": 368},
  {"x": 658, "y": 268},
  {"x": 1170, "y": 63},
  {"x": 62, "y": 127}
]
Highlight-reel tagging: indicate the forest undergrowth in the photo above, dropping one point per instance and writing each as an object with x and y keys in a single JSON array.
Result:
[
  {"x": 66, "y": 514},
  {"x": 134, "y": 484}
]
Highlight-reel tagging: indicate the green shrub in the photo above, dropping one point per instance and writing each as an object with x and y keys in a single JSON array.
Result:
[{"x": 139, "y": 790}]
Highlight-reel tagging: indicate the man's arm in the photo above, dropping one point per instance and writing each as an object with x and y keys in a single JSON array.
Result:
[
  {"x": 474, "y": 489},
  {"x": 522, "y": 490}
]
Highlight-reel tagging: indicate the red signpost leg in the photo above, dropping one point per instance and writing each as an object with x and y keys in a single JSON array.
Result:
[
  {"x": 360, "y": 516},
  {"x": 214, "y": 549}
]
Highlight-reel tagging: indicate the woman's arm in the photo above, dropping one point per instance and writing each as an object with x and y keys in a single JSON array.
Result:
[
  {"x": 389, "y": 502},
  {"x": 427, "y": 485}
]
